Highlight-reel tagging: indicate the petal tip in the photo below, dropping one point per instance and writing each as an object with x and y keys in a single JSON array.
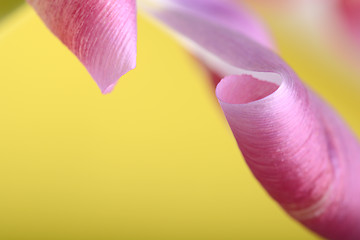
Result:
[
  {"x": 107, "y": 87},
  {"x": 102, "y": 34}
]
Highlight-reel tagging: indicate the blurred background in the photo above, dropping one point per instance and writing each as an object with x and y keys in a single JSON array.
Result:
[{"x": 155, "y": 159}]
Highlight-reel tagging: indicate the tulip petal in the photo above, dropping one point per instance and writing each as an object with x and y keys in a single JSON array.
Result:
[
  {"x": 102, "y": 34},
  {"x": 230, "y": 15},
  {"x": 295, "y": 144}
]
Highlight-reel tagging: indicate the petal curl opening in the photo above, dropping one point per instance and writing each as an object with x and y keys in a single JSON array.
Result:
[{"x": 241, "y": 89}]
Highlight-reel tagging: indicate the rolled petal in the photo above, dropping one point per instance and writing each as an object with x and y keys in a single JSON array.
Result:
[
  {"x": 101, "y": 33},
  {"x": 295, "y": 144}
]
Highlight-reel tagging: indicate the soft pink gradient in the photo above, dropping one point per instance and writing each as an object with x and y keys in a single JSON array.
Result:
[
  {"x": 102, "y": 34},
  {"x": 349, "y": 28},
  {"x": 230, "y": 14},
  {"x": 296, "y": 145},
  {"x": 350, "y": 11}
]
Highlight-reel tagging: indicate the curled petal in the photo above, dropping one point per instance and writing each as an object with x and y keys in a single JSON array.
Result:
[
  {"x": 102, "y": 34},
  {"x": 295, "y": 144}
]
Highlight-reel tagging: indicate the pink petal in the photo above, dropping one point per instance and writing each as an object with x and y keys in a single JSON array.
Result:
[
  {"x": 227, "y": 14},
  {"x": 101, "y": 33},
  {"x": 230, "y": 14},
  {"x": 297, "y": 147}
]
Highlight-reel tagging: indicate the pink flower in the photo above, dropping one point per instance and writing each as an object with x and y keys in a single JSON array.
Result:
[{"x": 295, "y": 144}]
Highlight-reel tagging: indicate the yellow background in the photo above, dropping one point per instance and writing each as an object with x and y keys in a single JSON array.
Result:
[{"x": 155, "y": 159}]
